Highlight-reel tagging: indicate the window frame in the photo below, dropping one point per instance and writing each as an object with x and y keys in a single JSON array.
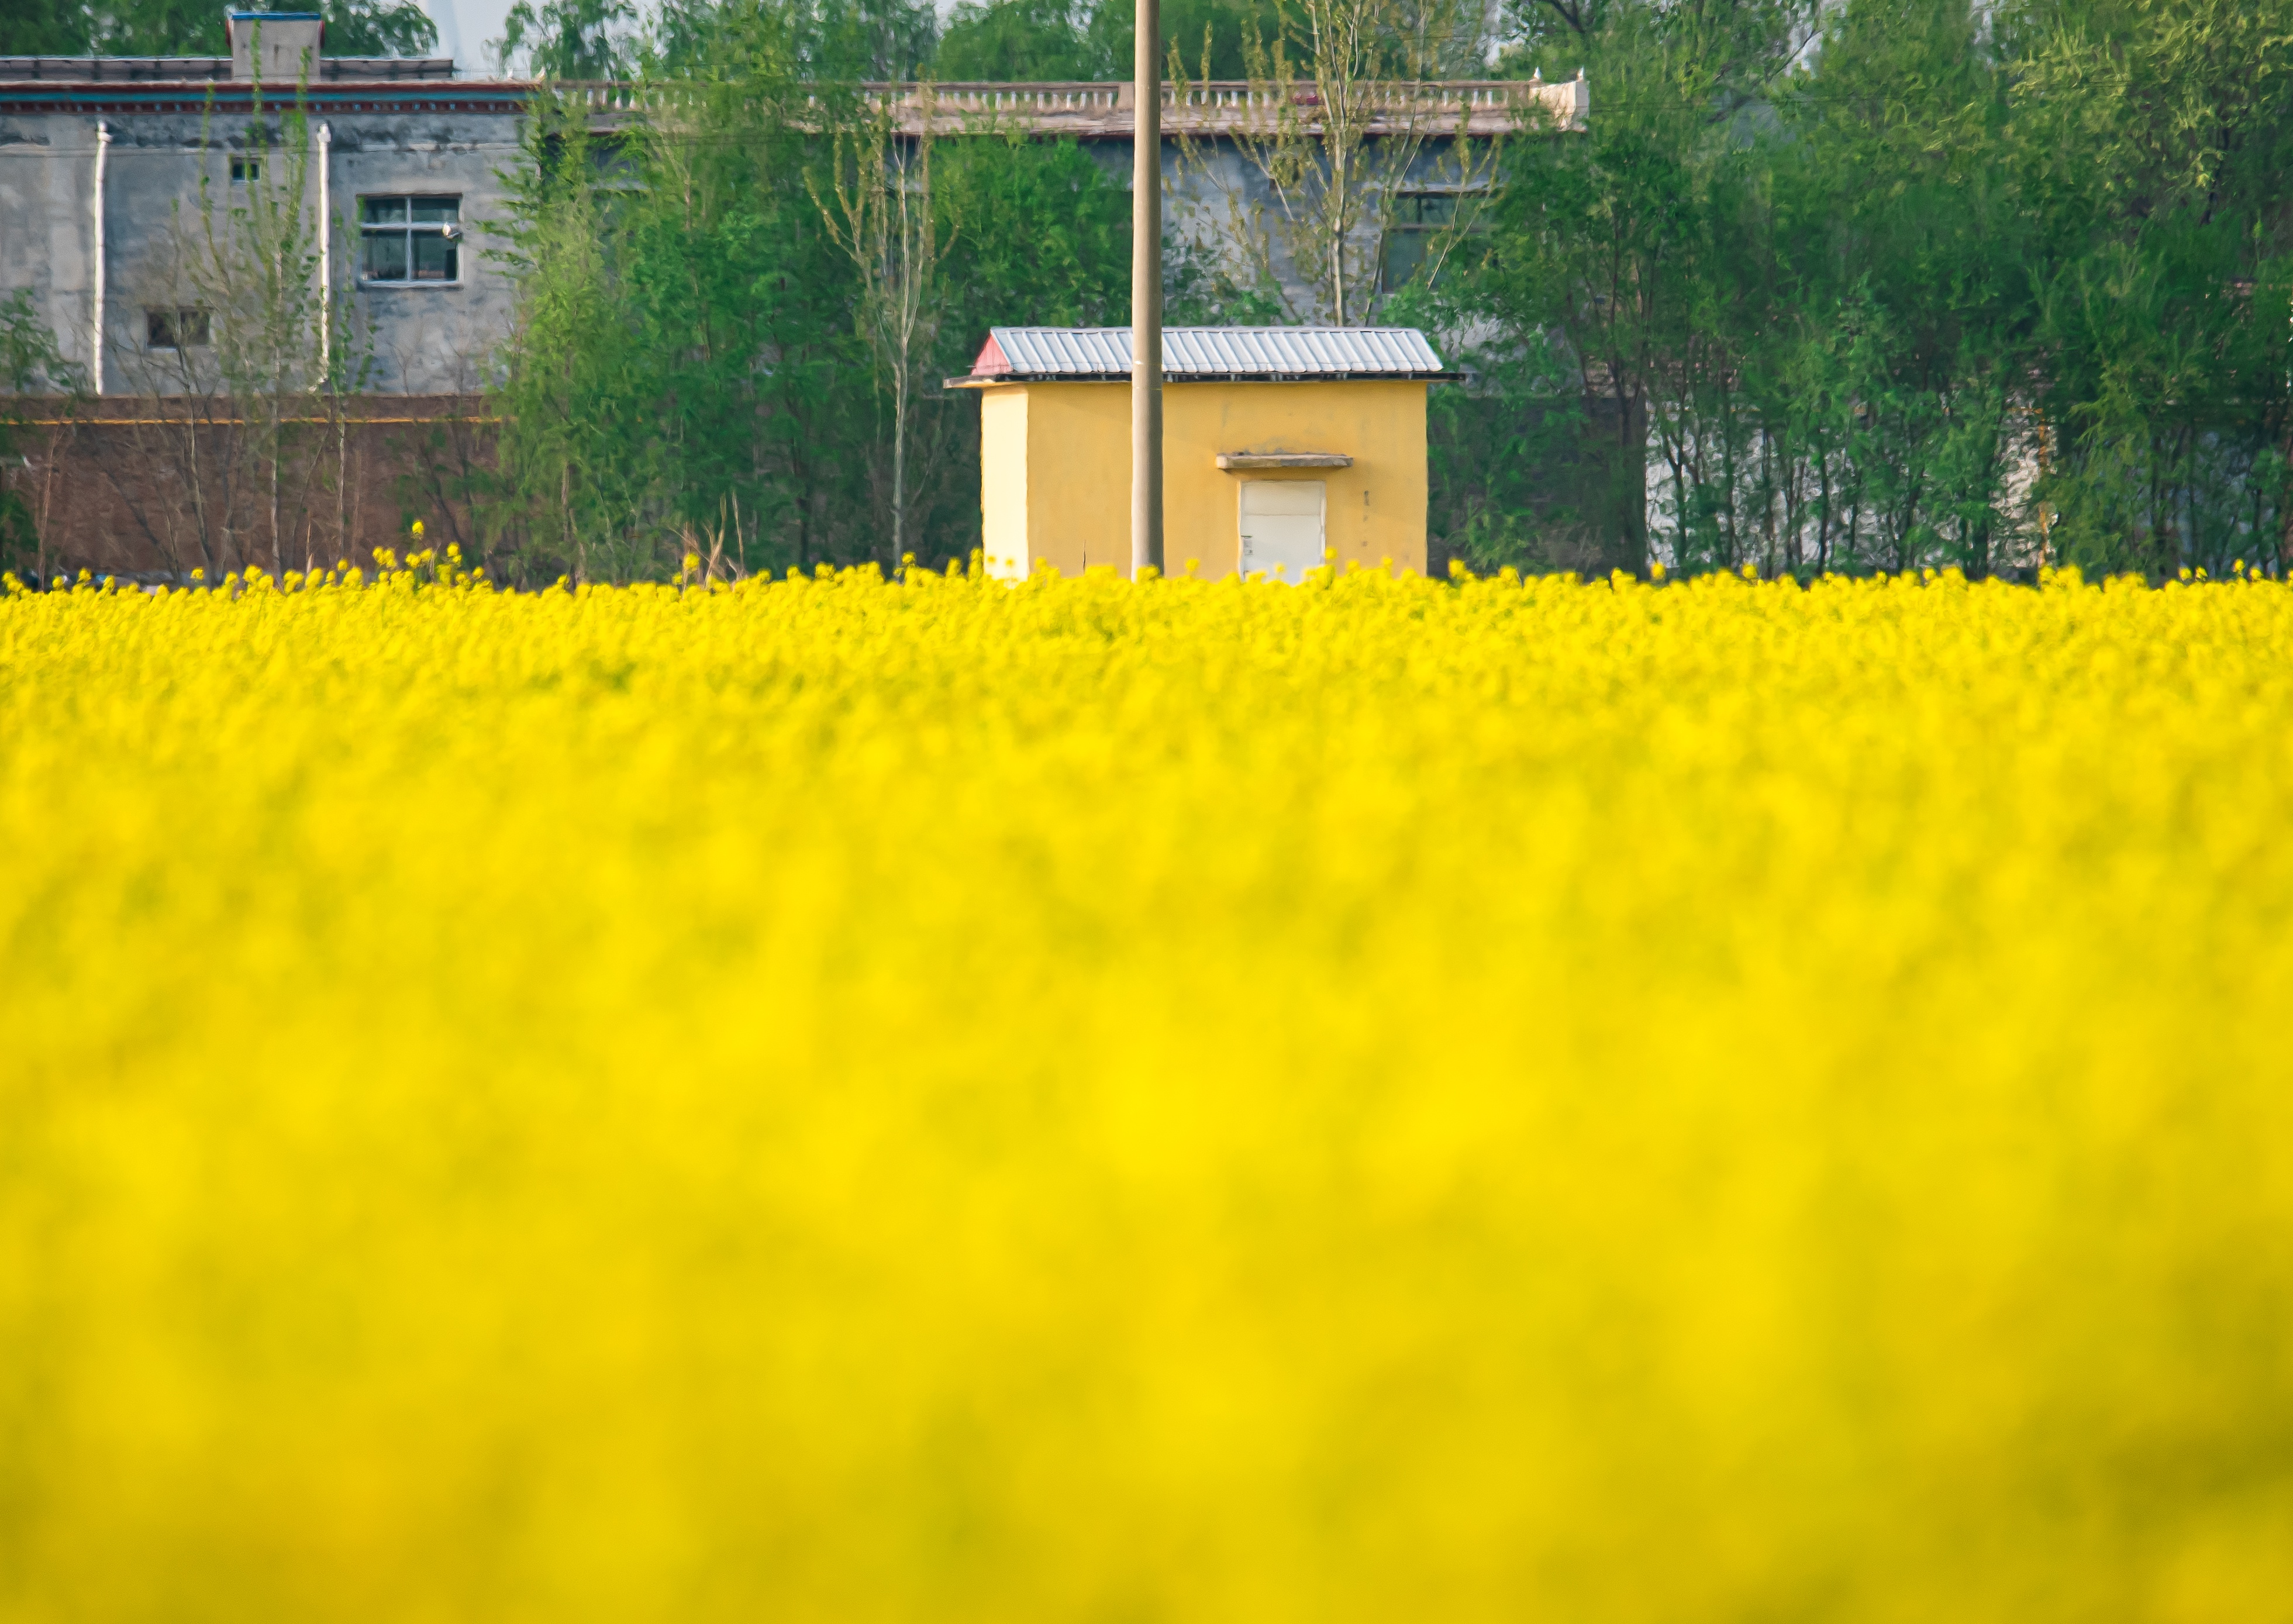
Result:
[
  {"x": 408, "y": 231},
  {"x": 170, "y": 329},
  {"x": 1419, "y": 232}
]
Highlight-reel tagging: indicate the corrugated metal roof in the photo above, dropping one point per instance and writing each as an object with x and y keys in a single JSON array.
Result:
[{"x": 1212, "y": 351}]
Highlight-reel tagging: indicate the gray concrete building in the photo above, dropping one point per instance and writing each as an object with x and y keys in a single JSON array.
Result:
[
  {"x": 124, "y": 181},
  {"x": 125, "y": 186}
]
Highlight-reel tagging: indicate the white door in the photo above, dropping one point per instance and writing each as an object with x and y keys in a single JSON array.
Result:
[{"x": 1281, "y": 527}]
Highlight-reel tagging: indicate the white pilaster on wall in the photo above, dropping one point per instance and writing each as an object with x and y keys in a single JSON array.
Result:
[{"x": 95, "y": 326}]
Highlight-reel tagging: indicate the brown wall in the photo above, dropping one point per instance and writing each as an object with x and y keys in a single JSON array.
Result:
[{"x": 147, "y": 488}]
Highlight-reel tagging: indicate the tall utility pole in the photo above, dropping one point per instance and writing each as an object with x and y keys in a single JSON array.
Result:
[{"x": 1146, "y": 296}]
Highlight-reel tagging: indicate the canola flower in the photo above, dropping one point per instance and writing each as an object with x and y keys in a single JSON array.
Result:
[{"x": 846, "y": 1099}]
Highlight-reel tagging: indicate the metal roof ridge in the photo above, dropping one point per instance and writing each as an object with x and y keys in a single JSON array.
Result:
[{"x": 1231, "y": 352}]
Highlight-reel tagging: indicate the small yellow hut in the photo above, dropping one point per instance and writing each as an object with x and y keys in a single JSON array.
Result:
[{"x": 1277, "y": 443}]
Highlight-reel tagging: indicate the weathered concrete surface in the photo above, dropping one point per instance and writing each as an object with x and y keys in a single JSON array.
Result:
[{"x": 169, "y": 204}]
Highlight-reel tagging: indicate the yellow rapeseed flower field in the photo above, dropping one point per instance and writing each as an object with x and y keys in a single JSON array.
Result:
[{"x": 848, "y": 1100}]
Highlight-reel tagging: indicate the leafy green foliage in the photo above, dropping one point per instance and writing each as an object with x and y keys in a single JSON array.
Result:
[
  {"x": 1203, "y": 288},
  {"x": 35, "y": 379},
  {"x": 1006, "y": 40},
  {"x": 177, "y": 27},
  {"x": 690, "y": 371},
  {"x": 1918, "y": 283},
  {"x": 834, "y": 42},
  {"x": 160, "y": 28},
  {"x": 43, "y": 28},
  {"x": 569, "y": 39},
  {"x": 1212, "y": 37},
  {"x": 1042, "y": 227},
  {"x": 377, "y": 27},
  {"x": 1023, "y": 39}
]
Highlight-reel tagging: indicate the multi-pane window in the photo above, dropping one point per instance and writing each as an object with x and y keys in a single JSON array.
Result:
[
  {"x": 174, "y": 327},
  {"x": 245, "y": 169},
  {"x": 1419, "y": 218},
  {"x": 412, "y": 240}
]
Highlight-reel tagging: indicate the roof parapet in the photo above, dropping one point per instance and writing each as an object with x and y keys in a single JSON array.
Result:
[
  {"x": 1191, "y": 107},
  {"x": 1224, "y": 107},
  {"x": 288, "y": 42},
  {"x": 205, "y": 70}
]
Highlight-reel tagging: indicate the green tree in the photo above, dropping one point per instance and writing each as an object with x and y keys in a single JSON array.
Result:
[
  {"x": 160, "y": 28},
  {"x": 377, "y": 27},
  {"x": 579, "y": 458},
  {"x": 2157, "y": 144},
  {"x": 1915, "y": 282},
  {"x": 1336, "y": 127},
  {"x": 1622, "y": 243},
  {"x": 45, "y": 27},
  {"x": 835, "y": 42},
  {"x": 1022, "y": 39},
  {"x": 569, "y": 39},
  {"x": 1045, "y": 230},
  {"x": 177, "y": 28},
  {"x": 697, "y": 362},
  {"x": 40, "y": 395},
  {"x": 1006, "y": 40},
  {"x": 1213, "y": 35},
  {"x": 874, "y": 193}
]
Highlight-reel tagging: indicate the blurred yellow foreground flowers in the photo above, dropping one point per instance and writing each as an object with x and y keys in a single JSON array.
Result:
[{"x": 845, "y": 1101}]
